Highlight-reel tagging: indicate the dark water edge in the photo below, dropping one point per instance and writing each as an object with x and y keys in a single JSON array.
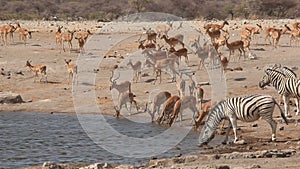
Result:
[{"x": 28, "y": 139}]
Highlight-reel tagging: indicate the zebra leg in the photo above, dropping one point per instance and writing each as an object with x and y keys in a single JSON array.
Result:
[
  {"x": 234, "y": 126},
  {"x": 227, "y": 133},
  {"x": 297, "y": 105},
  {"x": 286, "y": 100},
  {"x": 273, "y": 125}
]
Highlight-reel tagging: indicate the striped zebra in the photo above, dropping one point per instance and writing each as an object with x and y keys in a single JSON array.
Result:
[
  {"x": 289, "y": 73},
  {"x": 285, "y": 70},
  {"x": 247, "y": 109},
  {"x": 287, "y": 87}
]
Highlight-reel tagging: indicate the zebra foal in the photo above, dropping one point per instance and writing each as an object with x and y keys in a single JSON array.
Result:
[
  {"x": 247, "y": 109},
  {"x": 287, "y": 87}
]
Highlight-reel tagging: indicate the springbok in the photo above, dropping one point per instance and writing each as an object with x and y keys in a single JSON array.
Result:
[
  {"x": 121, "y": 87},
  {"x": 180, "y": 85},
  {"x": 168, "y": 109},
  {"x": 123, "y": 100},
  {"x": 23, "y": 33},
  {"x": 72, "y": 70},
  {"x": 214, "y": 26},
  {"x": 186, "y": 102},
  {"x": 41, "y": 68},
  {"x": 156, "y": 102},
  {"x": 167, "y": 63},
  {"x": 137, "y": 69},
  {"x": 172, "y": 41},
  {"x": 67, "y": 37}
]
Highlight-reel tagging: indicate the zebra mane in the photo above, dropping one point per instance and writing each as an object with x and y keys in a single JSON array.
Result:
[
  {"x": 272, "y": 70},
  {"x": 286, "y": 69},
  {"x": 215, "y": 116}
]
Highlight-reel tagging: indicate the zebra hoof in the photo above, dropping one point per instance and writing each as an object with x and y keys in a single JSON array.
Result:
[{"x": 240, "y": 142}]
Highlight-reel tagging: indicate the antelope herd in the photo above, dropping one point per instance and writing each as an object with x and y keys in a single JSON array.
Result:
[
  {"x": 162, "y": 50},
  {"x": 61, "y": 37}
]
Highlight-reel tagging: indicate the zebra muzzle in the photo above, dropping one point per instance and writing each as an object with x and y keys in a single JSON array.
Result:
[{"x": 261, "y": 84}]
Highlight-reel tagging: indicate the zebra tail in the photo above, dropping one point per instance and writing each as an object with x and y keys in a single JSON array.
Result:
[{"x": 281, "y": 113}]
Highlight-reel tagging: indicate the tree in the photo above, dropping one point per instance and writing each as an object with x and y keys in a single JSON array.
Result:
[{"x": 138, "y": 5}]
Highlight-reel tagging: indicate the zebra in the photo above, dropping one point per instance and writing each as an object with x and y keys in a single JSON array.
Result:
[
  {"x": 289, "y": 73},
  {"x": 285, "y": 70},
  {"x": 287, "y": 87},
  {"x": 247, "y": 109}
]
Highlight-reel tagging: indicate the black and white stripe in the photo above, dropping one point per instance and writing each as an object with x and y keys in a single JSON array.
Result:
[
  {"x": 247, "y": 109},
  {"x": 287, "y": 87},
  {"x": 288, "y": 72},
  {"x": 284, "y": 70}
]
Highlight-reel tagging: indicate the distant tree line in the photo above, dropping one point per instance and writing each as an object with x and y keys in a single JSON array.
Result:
[{"x": 106, "y": 10}]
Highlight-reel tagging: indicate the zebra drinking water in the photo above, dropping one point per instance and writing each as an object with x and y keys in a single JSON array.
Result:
[
  {"x": 247, "y": 109},
  {"x": 287, "y": 87}
]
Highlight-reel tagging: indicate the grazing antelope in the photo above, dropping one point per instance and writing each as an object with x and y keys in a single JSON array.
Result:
[
  {"x": 157, "y": 101},
  {"x": 137, "y": 69},
  {"x": 186, "y": 102},
  {"x": 214, "y": 26},
  {"x": 163, "y": 29},
  {"x": 122, "y": 87},
  {"x": 23, "y": 33},
  {"x": 172, "y": 41},
  {"x": 123, "y": 100},
  {"x": 67, "y": 37},
  {"x": 72, "y": 70},
  {"x": 41, "y": 68},
  {"x": 235, "y": 45},
  {"x": 168, "y": 109},
  {"x": 180, "y": 84},
  {"x": 205, "y": 109}
]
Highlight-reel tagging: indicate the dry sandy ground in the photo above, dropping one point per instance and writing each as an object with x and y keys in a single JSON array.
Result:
[{"x": 56, "y": 95}]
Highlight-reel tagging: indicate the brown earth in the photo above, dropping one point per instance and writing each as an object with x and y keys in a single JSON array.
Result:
[{"x": 56, "y": 95}]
